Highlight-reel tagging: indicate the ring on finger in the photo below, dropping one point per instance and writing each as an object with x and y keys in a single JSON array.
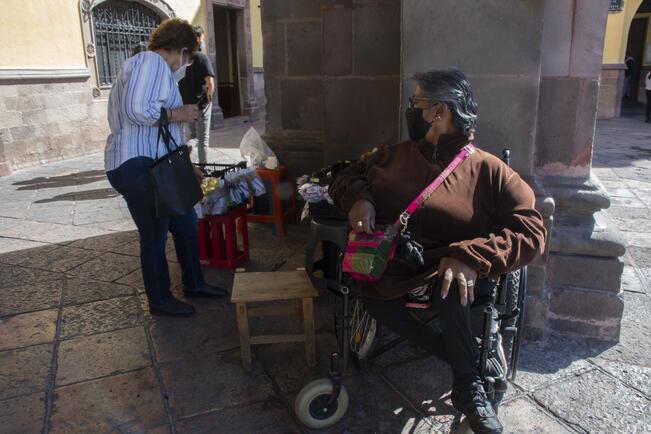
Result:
[{"x": 470, "y": 282}]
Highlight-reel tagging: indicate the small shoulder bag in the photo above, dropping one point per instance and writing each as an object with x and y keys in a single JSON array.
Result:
[{"x": 366, "y": 256}]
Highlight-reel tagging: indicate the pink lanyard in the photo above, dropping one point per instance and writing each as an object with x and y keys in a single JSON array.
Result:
[{"x": 464, "y": 153}]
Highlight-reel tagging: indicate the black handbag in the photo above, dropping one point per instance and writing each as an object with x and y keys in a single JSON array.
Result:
[{"x": 176, "y": 187}]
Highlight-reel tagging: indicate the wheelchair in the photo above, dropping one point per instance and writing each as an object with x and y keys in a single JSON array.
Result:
[{"x": 497, "y": 325}]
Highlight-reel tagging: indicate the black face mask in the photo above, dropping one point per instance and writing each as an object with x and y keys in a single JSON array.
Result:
[{"x": 416, "y": 125}]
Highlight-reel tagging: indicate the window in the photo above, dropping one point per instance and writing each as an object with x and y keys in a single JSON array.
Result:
[{"x": 118, "y": 27}]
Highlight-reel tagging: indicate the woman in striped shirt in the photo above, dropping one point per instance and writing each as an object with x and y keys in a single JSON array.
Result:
[{"x": 146, "y": 84}]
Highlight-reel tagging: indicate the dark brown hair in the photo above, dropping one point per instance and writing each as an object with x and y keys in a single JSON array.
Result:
[{"x": 173, "y": 34}]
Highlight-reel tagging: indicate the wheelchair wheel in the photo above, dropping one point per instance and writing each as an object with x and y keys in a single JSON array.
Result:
[
  {"x": 311, "y": 405},
  {"x": 511, "y": 303},
  {"x": 361, "y": 328}
]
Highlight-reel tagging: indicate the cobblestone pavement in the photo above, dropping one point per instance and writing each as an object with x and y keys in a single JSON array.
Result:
[{"x": 80, "y": 353}]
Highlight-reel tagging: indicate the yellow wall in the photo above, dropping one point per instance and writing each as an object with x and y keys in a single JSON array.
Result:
[
  {"x": 40, "y": 33},
  {"x": 647, "y": 58},
  {"x": 617, "y": 28},
  {"x": 47, "y": 33},
  {"x": 191, "y": 10},
  {"x": 256, "y": 33}
]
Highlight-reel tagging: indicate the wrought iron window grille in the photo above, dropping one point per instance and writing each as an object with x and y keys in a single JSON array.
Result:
[{"x": 119, "y": 26}]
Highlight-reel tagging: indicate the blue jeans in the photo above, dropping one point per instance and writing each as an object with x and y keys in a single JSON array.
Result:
[{"x": 133, "y": 182}]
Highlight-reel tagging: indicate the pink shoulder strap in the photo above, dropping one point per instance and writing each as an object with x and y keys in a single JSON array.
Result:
[{"x": 427, "y": 192}]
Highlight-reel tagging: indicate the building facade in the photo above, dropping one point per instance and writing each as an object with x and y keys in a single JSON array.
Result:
[
  {"x": 628, "y": 30},
  {"x": 338, "y": 74},
  {"x": 61, "y": 57}
]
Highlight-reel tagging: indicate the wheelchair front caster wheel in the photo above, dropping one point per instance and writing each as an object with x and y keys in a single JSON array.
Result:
[{"x": 311, "y": 406}]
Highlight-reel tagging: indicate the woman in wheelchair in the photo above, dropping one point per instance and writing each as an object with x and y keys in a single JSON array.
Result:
[{"x": 480, "y": 223}]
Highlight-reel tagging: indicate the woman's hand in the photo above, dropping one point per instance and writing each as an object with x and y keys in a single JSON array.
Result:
[
  {"x": 362, "y": 216},
  {"x": 187, "y": 113},
  {"x": 450, "y": 269},
  {"x": 198, "y": 173}
]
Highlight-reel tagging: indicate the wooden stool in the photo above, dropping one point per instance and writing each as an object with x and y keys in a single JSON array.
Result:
[
  {"x": 271, "y": 286},
  {"x": 278, "y": 214}
]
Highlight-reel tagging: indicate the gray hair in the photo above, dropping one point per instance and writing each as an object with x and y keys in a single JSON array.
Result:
[{"x": 451, "y": 87}]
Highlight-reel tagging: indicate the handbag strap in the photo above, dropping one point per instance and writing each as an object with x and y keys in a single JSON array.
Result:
[
  {"x": 164, "y": 132},
  {"x": 415, "y": 204}
]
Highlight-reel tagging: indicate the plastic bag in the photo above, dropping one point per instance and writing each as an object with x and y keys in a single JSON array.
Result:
[{"x": 254, "y": 150}]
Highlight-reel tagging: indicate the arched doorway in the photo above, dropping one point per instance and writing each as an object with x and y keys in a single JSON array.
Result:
[{"x": 637, "y": 60}]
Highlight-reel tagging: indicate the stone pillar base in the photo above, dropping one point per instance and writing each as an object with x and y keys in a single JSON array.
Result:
[{"x": 585, "y": 266}]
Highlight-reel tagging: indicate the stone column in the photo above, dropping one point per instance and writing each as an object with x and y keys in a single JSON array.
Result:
[
  {"x": 584, "y": 270},
  {"x": 331, "y": 78},
  {"x": 498, "y": 48}
]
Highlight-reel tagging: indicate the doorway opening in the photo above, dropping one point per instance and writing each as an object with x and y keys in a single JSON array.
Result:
[
  {"x": 228, "y": 77},
  {"x": 638, "y": 61}
]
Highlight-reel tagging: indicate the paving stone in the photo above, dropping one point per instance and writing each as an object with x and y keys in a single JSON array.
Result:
[
  {"x": 285, "y": 363},
  {"x": 62, "y": 259},
  {"x": 96, "y": 356},
  {"x": 25, "y": 370},
  {"x": 256, "y": 418},
  {"x": 28, "y": 329},
  {"x": 10, "y": 246},
  {"x": 542, "y": 365},
  {"x": 202, "y": 384},
  {"x": 11, "y": 276},
  {"x": 28, "y": 256},
  {"x": 108, "y": 267},
  {"x": 523, "y": 416},
  {"x": 631, "y": 280},
  {"x": 107, "y": 242},
  {"x": 635, "y": 330},
  {"x": 638, "y": 239},
  {"x": 427, "y": 383},
  {"x": 50, "y": 232},
  {"x": 196, "y": 336},
  {"x": 128, "y": 402},
  {"x": 637, "y": 377},
  {"x": 609, "y": 407},
  {"x": 23, "y": 414},
  {"x": 30, "y": 297},
  {"x": 134, "y": 278},
  {"x": 83, "y": 291},
  {"x": 641, "y": 255},
  {"x": 101, "y": 316}
]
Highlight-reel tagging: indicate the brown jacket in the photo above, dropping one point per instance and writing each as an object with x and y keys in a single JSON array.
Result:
[{"x": 483, "y": 214}]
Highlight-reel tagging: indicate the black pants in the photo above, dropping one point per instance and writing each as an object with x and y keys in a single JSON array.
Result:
[
  {"x": 454, "y": 343},
  {"x": 648, "y": 105}
]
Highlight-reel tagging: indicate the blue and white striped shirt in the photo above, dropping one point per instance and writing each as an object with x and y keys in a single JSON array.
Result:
[{"x": 144, "y": 85}]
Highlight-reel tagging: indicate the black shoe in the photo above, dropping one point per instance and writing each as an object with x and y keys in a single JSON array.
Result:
[
  {"x": 205, "y": 291},
  {"x": 473, "y": 403},
  {"x": 172, "y": 308}
]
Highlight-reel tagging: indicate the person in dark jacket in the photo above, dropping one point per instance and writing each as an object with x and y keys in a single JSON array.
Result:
[
  {"x": 198, "y": 87},
  {"x": 479, "y": 224}
]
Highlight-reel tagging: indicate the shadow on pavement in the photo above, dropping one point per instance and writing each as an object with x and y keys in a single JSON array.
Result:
[
  {"x": 98, "y": 194},
  {"x": 79, "y": 178}
]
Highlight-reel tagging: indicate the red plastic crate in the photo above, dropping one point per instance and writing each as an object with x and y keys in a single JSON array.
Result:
[{"x": 218, "y": 239}]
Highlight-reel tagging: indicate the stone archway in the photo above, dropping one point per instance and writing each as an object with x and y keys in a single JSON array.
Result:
[{"x": 159, "y": 7}]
